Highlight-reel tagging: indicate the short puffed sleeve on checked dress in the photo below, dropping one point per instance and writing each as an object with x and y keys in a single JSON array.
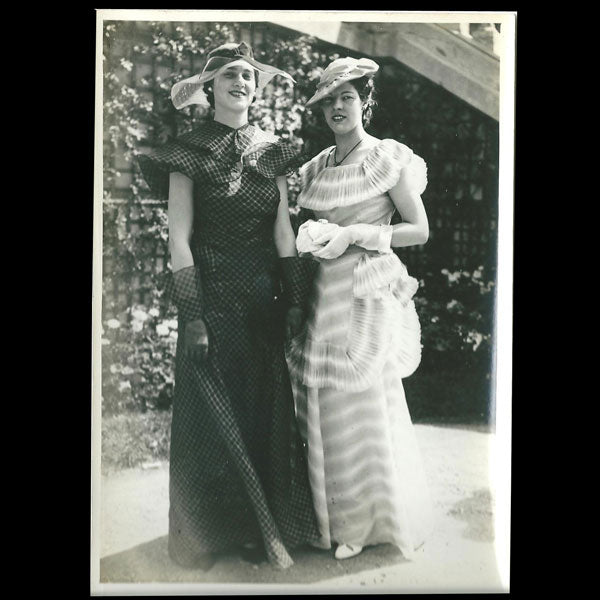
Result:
[
  {"x": 362, "y": 337},
  {"x": 237, "y": 469}
]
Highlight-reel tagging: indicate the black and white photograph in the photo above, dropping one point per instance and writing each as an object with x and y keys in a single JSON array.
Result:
[{"x": 302, "y": 302}]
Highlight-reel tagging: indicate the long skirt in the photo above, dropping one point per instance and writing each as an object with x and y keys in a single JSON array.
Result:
[
  {"x": 238, "y": 471},
  {"x": 365, "y": 468}
]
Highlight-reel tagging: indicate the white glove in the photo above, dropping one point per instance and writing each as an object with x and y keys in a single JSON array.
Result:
[
  {"x": 372, "y": 237},
  {"x": 369, "y": 237},
  {"x": 328, "y": 241},
  {"x": 309, "y": 232},
  {"x": 333, "y": 243}
]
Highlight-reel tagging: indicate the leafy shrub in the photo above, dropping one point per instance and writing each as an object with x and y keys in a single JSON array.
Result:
[
  {"x": 137, "y": 361},
  {"x": 453, "y": 384},
  {"x": 456, "y": 313},
  {"x": 450, "y": 396},
  {"x": 133, "y": 438}
]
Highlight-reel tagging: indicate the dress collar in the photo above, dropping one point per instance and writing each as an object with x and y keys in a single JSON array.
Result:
[
  {"x": 220, "y": 140},
  {"x": 325, "y": 188}
]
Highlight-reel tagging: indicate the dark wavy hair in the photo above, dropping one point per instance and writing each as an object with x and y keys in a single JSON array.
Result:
[{"x": 365, "y": 88}]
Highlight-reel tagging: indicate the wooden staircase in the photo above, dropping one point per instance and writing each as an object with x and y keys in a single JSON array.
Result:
[{"x": 448, "y": 54}]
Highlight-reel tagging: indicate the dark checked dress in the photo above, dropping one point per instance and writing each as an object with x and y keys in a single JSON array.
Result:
[{"x": 237, "y": 468}]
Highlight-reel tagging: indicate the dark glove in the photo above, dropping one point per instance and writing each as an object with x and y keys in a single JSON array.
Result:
[
  {"x": 187, "y": 297},
  {"x": 195, "y": 341},
  {"x": 296, "y": 279},
  {"x": 187, "y": 293},
  {"x": 294, "y": 321}
]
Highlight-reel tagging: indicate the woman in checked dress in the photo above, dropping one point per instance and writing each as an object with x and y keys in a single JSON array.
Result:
[
  {"x": 362, "y": 335},
  {"x": 238, "y": 477}
]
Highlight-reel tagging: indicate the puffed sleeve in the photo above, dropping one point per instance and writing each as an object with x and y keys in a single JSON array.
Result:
[
  {"x": 393, "y": 162},
  {"x": 174, "y": 156},
  {"x": 413, "y": 177}
]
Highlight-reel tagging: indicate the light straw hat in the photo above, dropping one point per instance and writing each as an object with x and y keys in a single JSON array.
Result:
[
  {"x": 339, "y": 72},
  {"x": 190, "y": 91}
]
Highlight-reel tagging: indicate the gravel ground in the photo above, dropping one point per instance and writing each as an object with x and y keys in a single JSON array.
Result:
[{"x": 130, "y": 527}]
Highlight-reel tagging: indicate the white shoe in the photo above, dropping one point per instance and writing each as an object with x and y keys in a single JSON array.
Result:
[{"x": 347, "y": 551}]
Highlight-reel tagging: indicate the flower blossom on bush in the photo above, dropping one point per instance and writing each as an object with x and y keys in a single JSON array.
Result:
[
  {"x": 162, "y": 329},
  {"x": 137, "y": 363},
  {"x": 124, "y": 385},
  {"x": 456, "y": 310},
  {"x": 475, "y": 338},
  {"x": 139, "y": 315},
  {"x": 452, "y": 277}
]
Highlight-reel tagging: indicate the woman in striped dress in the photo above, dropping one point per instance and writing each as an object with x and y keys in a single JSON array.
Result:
[{"x": 362, "y": 334}]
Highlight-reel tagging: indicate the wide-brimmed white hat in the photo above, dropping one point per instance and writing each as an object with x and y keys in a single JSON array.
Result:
[
  {"x": 190, "y": 91},
  {"x": 339, "y": 72}
]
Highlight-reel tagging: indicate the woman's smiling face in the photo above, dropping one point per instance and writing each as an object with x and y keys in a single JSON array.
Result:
[
  {"x": 234, "y": 87},
  {"x": 342, "y": 109}
]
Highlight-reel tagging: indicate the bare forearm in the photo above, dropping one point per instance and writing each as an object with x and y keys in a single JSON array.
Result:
[
  {"x": 181, "y": 254},
  {"x": 409, "y": 234},
  {"x": 414, "y": 229},
  {"x": 285, "y": 241},
  {"x": 181, "y": 216},
  {"x": 283, "y": 234}
]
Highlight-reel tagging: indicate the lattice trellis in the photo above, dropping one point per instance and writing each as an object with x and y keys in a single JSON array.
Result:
[{"x": 460, "y": 146}]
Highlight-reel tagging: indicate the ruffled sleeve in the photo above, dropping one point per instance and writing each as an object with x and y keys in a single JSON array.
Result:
[
  {"x": 392, "y": 162},
  {"x": 174, "y": 156},
  {"x": 414, "y": 176}
]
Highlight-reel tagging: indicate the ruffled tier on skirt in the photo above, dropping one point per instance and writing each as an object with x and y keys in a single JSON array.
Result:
[{"x": 361, "y": 311}]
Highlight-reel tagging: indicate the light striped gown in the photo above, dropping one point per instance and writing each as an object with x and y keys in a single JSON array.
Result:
[{"x": 362, "y": 337}]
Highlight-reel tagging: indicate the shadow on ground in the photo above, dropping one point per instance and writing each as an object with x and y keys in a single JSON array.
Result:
[
  {"x": 477, "y": 511},
  {"x": 150, "y": 563}
]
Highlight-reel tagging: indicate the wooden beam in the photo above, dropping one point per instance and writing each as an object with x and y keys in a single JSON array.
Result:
[{"x": 457, "y": 64}]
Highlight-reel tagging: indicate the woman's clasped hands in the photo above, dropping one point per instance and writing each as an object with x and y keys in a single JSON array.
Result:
[{"x": 322, "y": 239}]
